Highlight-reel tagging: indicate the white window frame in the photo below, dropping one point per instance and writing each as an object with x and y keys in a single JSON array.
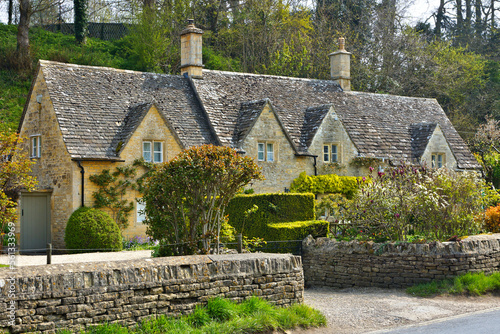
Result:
[
  {"x": 329, "y": 155},
  {"x": 139, "y": 211},
  {"x": 435, "y": 160},
  {"x": 35, "y": 146},
  {"x": 266, "y": 151},
  {"x": 152, "y": 151}
]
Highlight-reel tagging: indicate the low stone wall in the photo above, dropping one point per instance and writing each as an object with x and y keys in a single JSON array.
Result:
[
  {"x": 46, "y": 298},
  {"x": 330, "y": 263}
]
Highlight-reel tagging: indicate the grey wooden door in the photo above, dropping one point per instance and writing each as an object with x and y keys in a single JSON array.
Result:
[{"x": 35, "y": 222}]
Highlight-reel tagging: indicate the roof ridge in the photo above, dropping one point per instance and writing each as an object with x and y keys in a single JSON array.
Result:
[
  {"x": 265, "y": 75},
  {"x": 392, "y": 95},
  {"x": 44, "y": 63}
]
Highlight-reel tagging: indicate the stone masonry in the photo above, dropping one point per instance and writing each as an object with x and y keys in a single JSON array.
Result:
[
  {"x": 73, "y": 296},
  {"x": 346, "y": 264}
]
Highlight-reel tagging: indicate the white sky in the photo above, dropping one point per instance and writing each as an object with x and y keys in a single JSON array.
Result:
[{"x": 416, "y": 10}]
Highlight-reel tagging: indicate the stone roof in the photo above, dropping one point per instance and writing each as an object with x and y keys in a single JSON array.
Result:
[
  {"x": 380, "y": 125},
  {"x": 420, "y": 135},
  {"x": 96, "y": 107}
]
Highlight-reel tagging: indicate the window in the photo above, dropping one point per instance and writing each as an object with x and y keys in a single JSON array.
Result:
[
  {"x": 141, "y": 216},
  {"x": 265, "y": 152},
  {"x": 330, "y": 153},
  {"x": 437, "y": 160},
  {"x": 152, "y": 151},
  {"x": 36, "y": 146}
]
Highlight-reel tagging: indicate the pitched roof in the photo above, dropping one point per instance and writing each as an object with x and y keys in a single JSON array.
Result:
[
  {"x": 380, "y": 125},
  {"x": 247, "y": 115},
  {"x": 313, "y": 117},
  {"x": 223, "y": 92},
  {"x": 96, "y": 107},
  {"x": 420, "y": 135}
]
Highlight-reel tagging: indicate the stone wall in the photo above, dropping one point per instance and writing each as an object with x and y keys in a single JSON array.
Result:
[
  {"x": 73, "y": 296},
  {"x": 345, "y": 264}
]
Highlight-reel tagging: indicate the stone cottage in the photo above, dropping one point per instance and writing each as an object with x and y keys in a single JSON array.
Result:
[{"x": 80, "y": 120}]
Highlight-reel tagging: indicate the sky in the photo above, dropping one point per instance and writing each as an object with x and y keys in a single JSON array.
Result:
[{"x": 416, "y": 10}]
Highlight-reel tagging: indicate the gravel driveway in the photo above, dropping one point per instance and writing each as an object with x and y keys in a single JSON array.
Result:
[{"x": 356, "y": 310}]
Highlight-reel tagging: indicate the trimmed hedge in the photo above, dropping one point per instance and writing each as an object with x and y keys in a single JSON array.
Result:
[
  {"x": 272, "y": 208},
  {"x": 92, "y": 229},
  {"x": 297, "y": 230},
  {"x": 329, "y": 183}
]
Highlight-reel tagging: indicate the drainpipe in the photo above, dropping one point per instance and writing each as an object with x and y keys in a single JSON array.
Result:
[
  {"x": 83, "y": 181},
  {"x": 314, "y": 164}
]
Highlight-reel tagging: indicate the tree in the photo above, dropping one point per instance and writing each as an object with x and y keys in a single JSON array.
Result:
[
  {"x": 186, "y": 197},
  {"x": 81, "y": 20},
  {"x": 486, "y": 145},
  {"x": 15, "y": 167}
]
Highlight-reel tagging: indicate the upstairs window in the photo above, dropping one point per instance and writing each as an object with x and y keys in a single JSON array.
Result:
[
  {"x": 36, "y": 146},
  {"x": 265, "y": 152},
  {"x": 152, "y": 151},
  {"x": 330, "y": 153},
  {"x": 437, "y": 160}
]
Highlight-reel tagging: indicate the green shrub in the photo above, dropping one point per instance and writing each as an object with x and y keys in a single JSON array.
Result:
[
  {"x": 297, "y": 230},
  {"x": 329, "y": 183},
  {"x": 92, "y": 229},
  {"x": 250, "y": 214}
]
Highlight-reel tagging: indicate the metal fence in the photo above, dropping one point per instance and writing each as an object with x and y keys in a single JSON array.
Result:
[{"x": 104, "y": 31}]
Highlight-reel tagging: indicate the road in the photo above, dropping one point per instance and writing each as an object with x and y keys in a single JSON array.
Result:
[{"x": 476, "y": 323}]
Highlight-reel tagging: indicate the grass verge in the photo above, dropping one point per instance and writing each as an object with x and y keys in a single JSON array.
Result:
[
  {"x": 254, "y": 315},
  {"x": 469, "y": 284}
]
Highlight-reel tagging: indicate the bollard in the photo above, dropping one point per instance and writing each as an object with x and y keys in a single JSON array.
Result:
[
  {"x": 240, "y": 242},
  {"x": 49, "y": 253}
]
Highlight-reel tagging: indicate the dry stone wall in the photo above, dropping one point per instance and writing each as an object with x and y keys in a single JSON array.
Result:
[
  {"x": 343, "y": 264},
  {"x": 73, "y": 296}
]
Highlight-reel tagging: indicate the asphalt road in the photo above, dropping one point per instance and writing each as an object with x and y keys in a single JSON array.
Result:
[{"x": 487, "y": 322}]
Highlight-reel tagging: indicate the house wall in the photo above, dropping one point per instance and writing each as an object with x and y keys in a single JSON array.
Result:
[
  {"x": 54, "y": 168},
  {"x": 438, "y": 144},
  {"x": 286, "y": 166},
  {"x": 151, "y": 128}
]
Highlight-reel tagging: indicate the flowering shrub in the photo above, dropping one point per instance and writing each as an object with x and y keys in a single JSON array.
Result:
[
  {"x": 139, "y": 242},
  {"x": 407, "y": 200},
  {"x": 492, "y": 219}
]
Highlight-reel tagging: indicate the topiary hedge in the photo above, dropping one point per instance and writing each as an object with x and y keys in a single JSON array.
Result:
[
  {"x": 297, "y": 230},
  {"x": 329, "y": 183},
  {"x": 271, "y": 208},
  {"x": 92, "y": 229}
]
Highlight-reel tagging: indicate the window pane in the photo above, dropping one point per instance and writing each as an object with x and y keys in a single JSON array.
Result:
[
  {"x": 326, "y": 153},
  {"x": 270, "y": 152},
  {"x": 260, "y": 153},
  {"x": 433, "y": 161},
  {"x": 334, "y": 153},
  {"x": 440, "y": 161},
  {"x": 33, "y": 146},
  {"x": 39, "y": 146},
  {"x": 140, "y": 212},
  {"x": 158, "y": 152},
  {"x": 146, "y": 151}
]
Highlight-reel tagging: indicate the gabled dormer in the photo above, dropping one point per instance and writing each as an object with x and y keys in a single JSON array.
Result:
[{"x": 430, "y": 146}]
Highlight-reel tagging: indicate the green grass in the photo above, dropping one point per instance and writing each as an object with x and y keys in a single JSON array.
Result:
[
  {"x": 223, "y": 316},
  {"x": 469, "y": 284},
  {"x": 3, "y": 265}
]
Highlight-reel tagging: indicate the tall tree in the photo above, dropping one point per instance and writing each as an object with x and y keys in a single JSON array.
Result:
[{"x": 81, "y": 20}]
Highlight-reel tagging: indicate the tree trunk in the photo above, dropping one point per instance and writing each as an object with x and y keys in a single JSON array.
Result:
[
  {"x": 81, "y": 21},
  {"x": 492, "y": 21},
  {"x": 439, "y": 18},
  {"x": 479, "y": 23},
  {"x": 11, "y": 10},
  {"x": 23, "y": 40}
]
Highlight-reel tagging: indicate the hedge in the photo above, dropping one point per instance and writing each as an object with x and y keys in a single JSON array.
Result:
[
  {"x": 272, "y": 208},
  {"x": 329, "y": 183},
  {"x": 297, "y": 230}
]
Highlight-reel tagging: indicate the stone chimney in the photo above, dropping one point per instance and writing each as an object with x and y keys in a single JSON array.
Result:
[
  {"x": 340, "y": 66},
  {"x": 191, "y": 56}
]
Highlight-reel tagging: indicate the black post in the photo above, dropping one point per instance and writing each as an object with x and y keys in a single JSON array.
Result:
[
  {"x": 49, "y": 253},
  {"x": 240, "y": 242}
]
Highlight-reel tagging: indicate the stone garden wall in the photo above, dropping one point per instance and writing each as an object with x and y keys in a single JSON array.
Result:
[
  {"x": 345, "y": 264},
  {"x": 46, "y": 298}
]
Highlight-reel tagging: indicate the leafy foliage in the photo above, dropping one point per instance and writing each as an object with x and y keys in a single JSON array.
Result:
[
  {"x": 296, "y": 230},
  {"x": 329, "y": 183},
  {"x": 15, "y": 167},
  {"x": 250, "y": 214},
  {"x": 492, "y": 219},
  {"x": 92, "y": 229},
  {"x": 436, "y": 204},
  {"x": 186, "y": 197}
]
